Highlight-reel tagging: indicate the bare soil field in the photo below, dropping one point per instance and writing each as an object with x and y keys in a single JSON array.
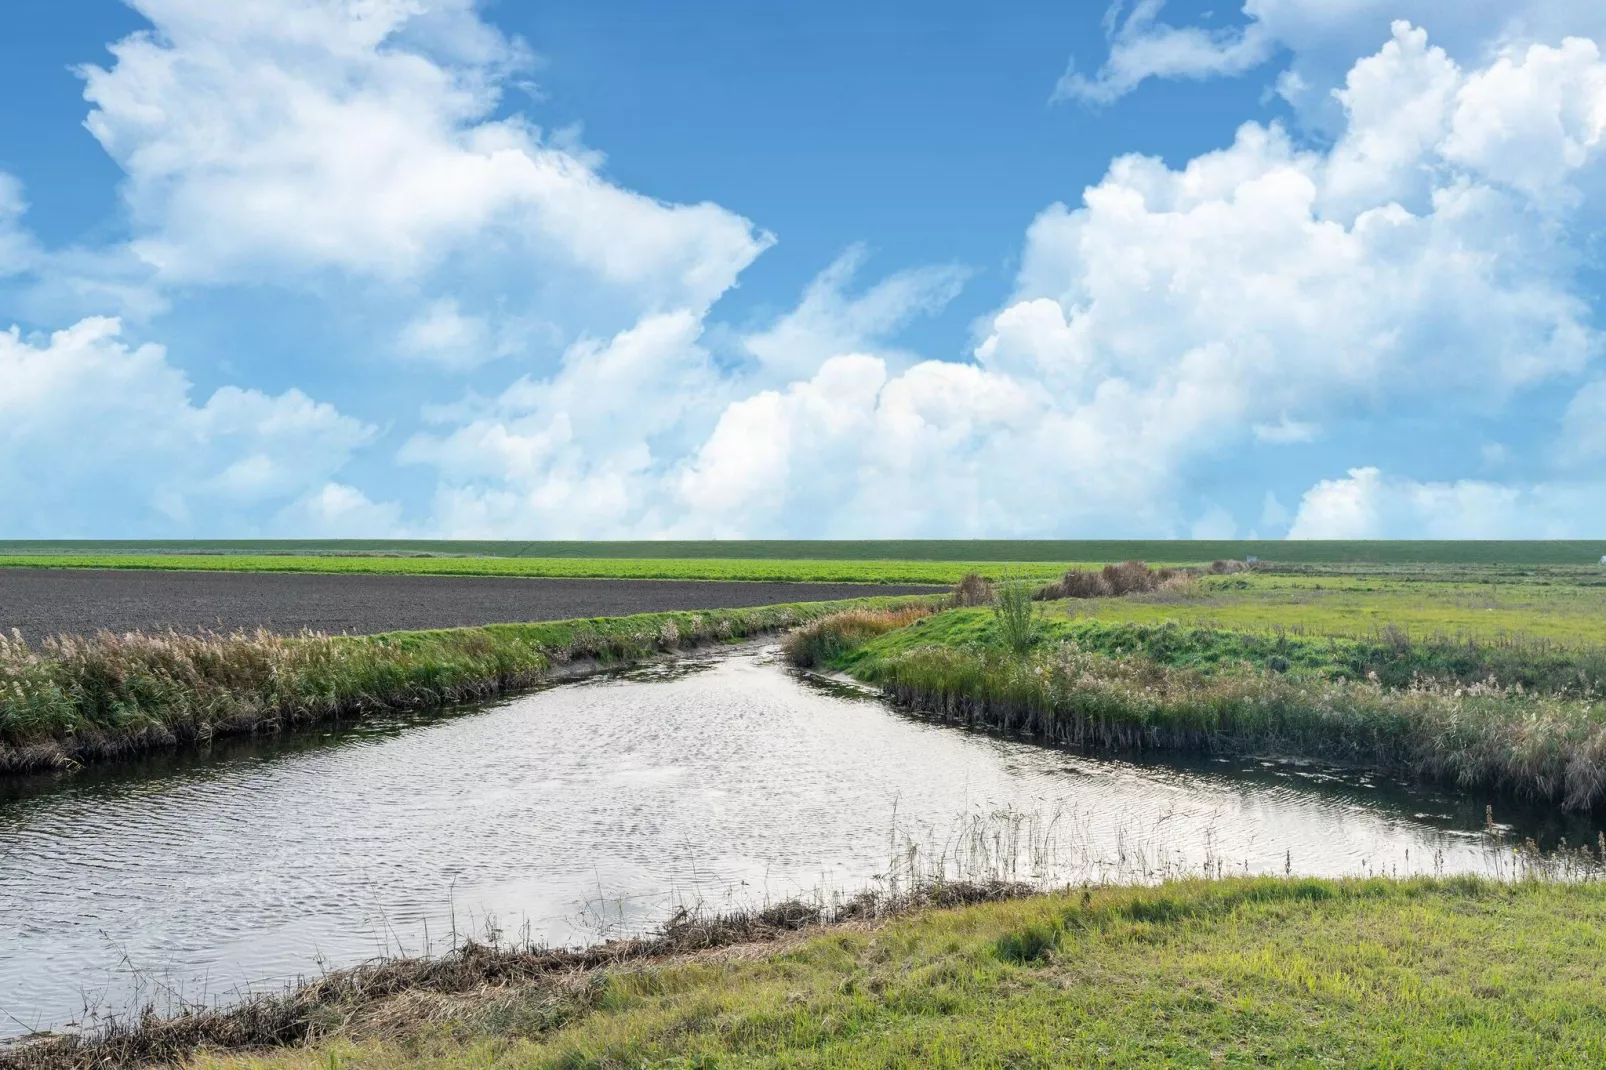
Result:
[{"x": 41, "y": 602}]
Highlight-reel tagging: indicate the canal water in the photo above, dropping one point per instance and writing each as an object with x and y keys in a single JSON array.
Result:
[{"x": 596, "y": 808}]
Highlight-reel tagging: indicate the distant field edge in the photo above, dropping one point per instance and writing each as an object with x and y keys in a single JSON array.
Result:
[{"x": 1361, "y": 552}]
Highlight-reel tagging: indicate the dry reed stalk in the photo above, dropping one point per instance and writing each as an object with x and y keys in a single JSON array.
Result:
[{"x": 817, "y": 642}]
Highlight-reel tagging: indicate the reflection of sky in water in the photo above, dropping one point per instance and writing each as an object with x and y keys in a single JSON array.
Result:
[{"x": 598, "y": 806}]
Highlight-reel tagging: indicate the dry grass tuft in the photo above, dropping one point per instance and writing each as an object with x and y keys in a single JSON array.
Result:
[{"x": 819, "y": 641}]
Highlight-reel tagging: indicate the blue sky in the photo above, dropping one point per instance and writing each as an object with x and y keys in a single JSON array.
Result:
[{"x": 432, "y": 267}]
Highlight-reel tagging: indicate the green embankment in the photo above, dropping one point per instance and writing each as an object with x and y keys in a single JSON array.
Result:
[
  {"x": 1413, "y": 973},
  {"x": 1472, "y": 698},
  {"x": 78, "y": 699}
]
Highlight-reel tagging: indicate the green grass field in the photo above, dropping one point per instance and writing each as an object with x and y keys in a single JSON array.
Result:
[
  {"x": 1378, "y": 552},
  {"x": 1373, "y": 973},
  {"x": 936, "y": 573},
  {"x": 1374, "y": 591},
  {"x": 1567, "y": 609}
]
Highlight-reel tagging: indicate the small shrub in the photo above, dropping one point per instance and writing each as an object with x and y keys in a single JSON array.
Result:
[
  {"x": 1130, "y": 577},
  {"x": 1113, "y": 581},
  {"x": 1077, "y": 583},
  {"x": 973, "y": 590},
  {"x": 1015, "y": 615}
]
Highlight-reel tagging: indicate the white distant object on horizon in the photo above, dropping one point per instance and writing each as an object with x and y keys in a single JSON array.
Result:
[{"x": 1603, "y": 559}]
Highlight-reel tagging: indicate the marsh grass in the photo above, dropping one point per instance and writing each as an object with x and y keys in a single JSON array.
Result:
[
  {"x": 1477, "y": 737},
  {"x": 1434, "y": 711},
  {"x": 77, "y": 699}
]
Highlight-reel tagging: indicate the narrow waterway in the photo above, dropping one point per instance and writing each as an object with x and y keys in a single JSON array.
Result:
[{"x": 595, "y": 808}]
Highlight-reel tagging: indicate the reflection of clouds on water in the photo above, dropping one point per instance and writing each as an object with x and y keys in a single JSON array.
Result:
[{"x": 599, "y": 808}]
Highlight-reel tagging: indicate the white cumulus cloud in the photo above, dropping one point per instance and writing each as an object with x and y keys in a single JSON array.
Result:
[
  {"x": 1322, "y": 37},
  {"x": 1367, "y": 504},
  {"x": 358, "y": 135},
  {"x": 98, "y": 438}
]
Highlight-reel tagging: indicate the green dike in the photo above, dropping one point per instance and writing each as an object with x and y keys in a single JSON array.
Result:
[
  {"x": 1402, "y": 973},
  {"x": 1378, "y": 552},
  {"x": 1416, "y": 709},
  {"x": 75, "y": 700}
]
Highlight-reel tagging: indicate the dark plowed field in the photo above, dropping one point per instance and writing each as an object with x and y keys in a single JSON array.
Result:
[{"x": 43, "y": 602}]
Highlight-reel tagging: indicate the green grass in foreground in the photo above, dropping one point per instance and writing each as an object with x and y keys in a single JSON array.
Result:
[
  {"x": 1170, "y": 551},
  {"x": 1372, "y": 973}
]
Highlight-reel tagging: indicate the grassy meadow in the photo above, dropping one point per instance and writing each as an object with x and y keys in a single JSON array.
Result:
[
  {"x": 933, "y": 573},
  {"x": 1566, "y": 608},
  {"x": 1378, "y": 972}
]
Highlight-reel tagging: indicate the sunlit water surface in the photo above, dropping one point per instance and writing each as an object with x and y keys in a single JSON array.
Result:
[{"x": 595, "y": 808}]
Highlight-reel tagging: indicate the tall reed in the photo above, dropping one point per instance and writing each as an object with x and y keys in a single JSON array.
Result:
[{"x": 1479, "y": 736}]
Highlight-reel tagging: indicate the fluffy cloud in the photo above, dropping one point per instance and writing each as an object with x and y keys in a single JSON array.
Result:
[
  {"x": 827, "y": 322},
  {"x": 1366, "y": 504},
  {"x": 1263, "y": 289},
  {"x": 1271, "y": 293},
  {"x": 281, "y": 138},
  {"x": 339, "y": 511},
  {"x": 1583, "y": 429},
  {"x": 1143, "y": 47},
  {"x": 1321, "y": 36},
  {"x": 586, "y": 451},
  {"x": 98, "y": 438}
]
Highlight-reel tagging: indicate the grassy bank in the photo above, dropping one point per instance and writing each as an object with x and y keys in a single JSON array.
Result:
[
  {"x": 1249, "y": 971},
  {"x": 1436, "y": 710},
  {"x": 73, "y": 700}
]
